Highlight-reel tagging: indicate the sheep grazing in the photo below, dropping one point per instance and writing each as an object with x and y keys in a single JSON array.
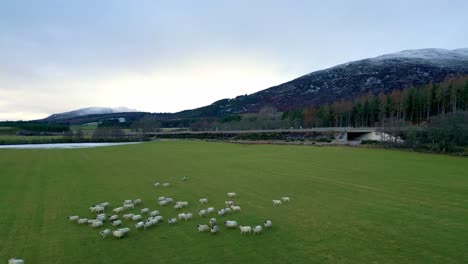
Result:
[
  {"x": 203, "y": 228},
  {"x": 104, "y": 233},
  {"x": 257, "y": 230},
  {"x": 101, "y": 217},
  {"x": 128, "y": 216},
  {"x": 276, "y": 202},
  {"x": 97, "y": 223},
  {"x": 154, "y": 213},
  {"x": 118, "y": 233},
  {"x": 125, "y": 229},
  {"x": 137, "y": 201},
  {"x": 127, "y": 201},
  {"x": 73, "y": 218},
  {"x": 285, "y": 199},
  {"x": 172, "y": 221},
  {"x": 161, "y": 198},
  {"x": 139, "y": 225},
  {"x": 113, "y": 217},
  {"x": 222, "y": 211},
  {"x": 97, "y": 209},
  {"x": 177, "y": 206},
  {"x": 166, "y": 184},
  {"x": 128, "y": 206},
  {"x": 156, "y": 184},
  {"x": 117, "y": 222},
  {"x": 245, "y": 229},
  {"x": 230, "y": 224},
  {"x": 229, "y": 203},
  {"x": 188, "y": 216},
  {"x": 163, "y": 203},
  {"x": 184, "y": 178},
  {"x": 15, "y": 261},
  {"x": 182, "y": 216},
  {"x": 214, "y": 229},
  {"x": 232, "y": 194},
  {"x": 136, "y": 217},
  {"x": 212, "y": 221},
  {"x": 148, "y": 224},
  {"x": 236, "y": 208},
  {"x": 104, "y": 204},
  {"x": 118, "y": 210},
  {"x": 202, "y": 213},
  {"x": 82, "y": 221},
  {"x": 169, "y": 200},
  {"x": 210, "y": 210},
  {"x": 267, "y": 223},
  {"x": 159, "y": 217},
  {"x": 203, "y": 200},
  {"x": 227, "y": 210},
  {"x": 145, "y": 210},
  {"x": 183, "y": 203}
]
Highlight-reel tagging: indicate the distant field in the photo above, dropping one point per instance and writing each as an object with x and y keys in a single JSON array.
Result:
[
  {"x": 14, "y": 139},
  {"x": 349, "y": 205}
]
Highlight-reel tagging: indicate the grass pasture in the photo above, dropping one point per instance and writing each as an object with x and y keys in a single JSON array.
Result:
[{"x": 349, "y": 205}]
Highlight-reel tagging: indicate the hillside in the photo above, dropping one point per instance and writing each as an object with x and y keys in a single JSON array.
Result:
[
  {"x": 347, "y": 81},
  {"x": 88, "y": 111}
]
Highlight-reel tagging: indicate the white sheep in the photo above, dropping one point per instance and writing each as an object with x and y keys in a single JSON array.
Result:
[
  {"x": 229, "y": 203},
  {"x": 212, "y": 221},
  {"x": 154, "y": 213},
  {"x": 145, "y": 210},
  {"x": 222, "y": 211},
  {"x": 136, "y": 217},
  {"x": 101, "y": 217},
  {"x": 188, "y": 216},
  {"x": 230, "y": 224},
  {"x": 139, "y": 225},
  {"x": 127, "y": 201},
  {"x": 214, "y": 229},
  {"x": 15, "y": 261},
  {"x": 232, "y": 194},
  {"x": 172, "y": 221},
  {"x": 245, "y": 229},
  {"x": 137, "y": 201},
  {"x": 203, "y": 200},
  {"x": 125, "y": 229},
  {"x": 166, "y": 184},
  {"x": 203, "y": 228},
  {"x": 159, "y": 217},
  {"x": 257, "y": 230},
  {"x": 177, "y": 206},
  {"x": 128, "y": 216},
  {"x": 163, "y": 203},
  {"x": 128, "y": 206},
  {"x": 113, "y": 217},
  {"x": 156, "y": 184},
  {"x": 104, "y": 204},
  {"x": 236, "y": 208},
  {"x": 169, "y": 200},
  {"x": 161, "y": 198},
  {"x": 210, "y": 210},
  {"x": 117, "y": 222},
  {"x": 118, "y": 210},
  {"x": 82, "y": 221},
  {"x": 183, "y": 203},
  {"x": 73, "y": 218},
  {"x": 97, "y": 209},
  {"x": 118, "y": 233},
  {"x": 276, "y": 202},
  {"x": 202, "y": 213},
  {"x": 267, "y": 223},
  {"x": 285, "y": 199},
  {"x": 104, "y": 233},
  {"x": 97, "y": 223},
  {"x": 182, "y": 216}
]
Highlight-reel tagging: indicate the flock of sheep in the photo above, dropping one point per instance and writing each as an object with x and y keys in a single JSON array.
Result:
[{"x": 154, "y": 218}]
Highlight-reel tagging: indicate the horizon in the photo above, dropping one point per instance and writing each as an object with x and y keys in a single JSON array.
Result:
[{"x": 158, "y": 57}]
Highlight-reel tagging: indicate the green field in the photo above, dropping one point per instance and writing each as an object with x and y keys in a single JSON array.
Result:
[{"x": 349, "y": 205}]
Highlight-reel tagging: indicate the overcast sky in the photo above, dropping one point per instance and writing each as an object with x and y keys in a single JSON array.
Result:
[{"x": 165, "y": 56}]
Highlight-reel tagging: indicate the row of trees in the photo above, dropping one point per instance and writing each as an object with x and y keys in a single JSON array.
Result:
[{"x": 414, "y": 105}]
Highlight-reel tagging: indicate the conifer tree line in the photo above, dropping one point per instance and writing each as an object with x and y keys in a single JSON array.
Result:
[{"x": 413, "y": 105}]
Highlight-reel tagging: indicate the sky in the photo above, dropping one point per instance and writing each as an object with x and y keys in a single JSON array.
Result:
[{"x": 168, "y": 56}]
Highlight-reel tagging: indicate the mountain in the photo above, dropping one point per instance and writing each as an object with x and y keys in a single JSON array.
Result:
[
  {"x": 347, "y": 81},
  {"x": 88, "y": 111}
]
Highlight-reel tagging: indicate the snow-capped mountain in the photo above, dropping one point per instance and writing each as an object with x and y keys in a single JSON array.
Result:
[
  {"x": 348, "y": 81},
  {"x": 90, "y": 111}
]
